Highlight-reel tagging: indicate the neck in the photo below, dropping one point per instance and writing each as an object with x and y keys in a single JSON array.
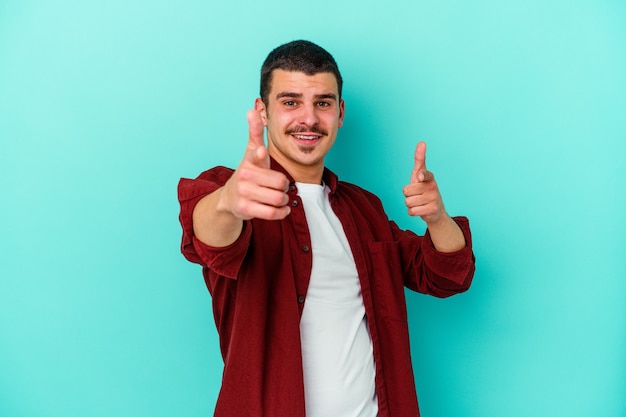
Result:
[
  {"x": 311, "y": 175},
  {"x": 308, "y": 174}
]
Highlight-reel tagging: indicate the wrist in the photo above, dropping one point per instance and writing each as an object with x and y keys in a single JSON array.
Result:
[{"x": 446, "y": 235}]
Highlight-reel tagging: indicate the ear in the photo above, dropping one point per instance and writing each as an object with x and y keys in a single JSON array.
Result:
[
  {"x": 260, "y": 107},
  {"x": 342, "y": 112}
]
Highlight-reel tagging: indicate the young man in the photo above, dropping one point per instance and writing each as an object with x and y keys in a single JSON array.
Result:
[{"x": 306, "y": 272}]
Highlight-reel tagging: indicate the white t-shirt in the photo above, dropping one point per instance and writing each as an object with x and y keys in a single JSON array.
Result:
[{"x": 337, "y": 353}]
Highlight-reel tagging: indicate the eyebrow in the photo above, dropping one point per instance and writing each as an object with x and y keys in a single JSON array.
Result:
[{"x": 298, "y": 95}]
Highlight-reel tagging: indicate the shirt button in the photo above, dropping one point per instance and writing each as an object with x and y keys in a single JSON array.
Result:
[
  {"x": 301, "y": 299},
  {"x": 306, "y": 248},
  {"x": 292, "y": 187},
  {"x": 294, "y": 203}
]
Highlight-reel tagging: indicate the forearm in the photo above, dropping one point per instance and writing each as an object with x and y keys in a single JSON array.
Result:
[
  {"x": 446, "y": 235},
  {"x": 212, "y": 225}
]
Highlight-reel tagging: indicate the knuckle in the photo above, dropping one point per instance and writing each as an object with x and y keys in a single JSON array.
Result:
[
  {"x": 241, "y": 210},
  {"x": 244, "y": 174},
  {"x": 242, "y": 190},
  {"x": 278, "y": 199}
]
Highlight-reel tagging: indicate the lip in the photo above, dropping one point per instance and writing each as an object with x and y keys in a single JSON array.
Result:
[{"x": 306, "y": 138}]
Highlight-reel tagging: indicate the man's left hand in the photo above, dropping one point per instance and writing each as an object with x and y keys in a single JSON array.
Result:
[{"x": 422, "y": 194}]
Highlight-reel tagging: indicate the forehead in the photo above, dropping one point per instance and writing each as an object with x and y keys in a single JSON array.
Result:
[{"x": 301, "y": 83}]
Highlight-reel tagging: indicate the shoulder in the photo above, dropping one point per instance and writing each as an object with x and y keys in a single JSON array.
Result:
[
  {"x": 219, "y": 174},
  {"x": 204, "y": 184},
  {"x": 358, "y": 195},
  {"x": 355, "y": 190}
]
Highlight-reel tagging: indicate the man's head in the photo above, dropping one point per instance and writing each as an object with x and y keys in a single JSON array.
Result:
[
  {"x": 301, "y": 107},
  {"x": 298, "y": 56}
]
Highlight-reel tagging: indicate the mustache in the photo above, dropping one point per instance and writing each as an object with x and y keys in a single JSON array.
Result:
[{"x": 305, "y": 128}]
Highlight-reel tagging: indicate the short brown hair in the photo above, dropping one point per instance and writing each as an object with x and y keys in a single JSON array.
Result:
[{"x": 300, "y": 56}]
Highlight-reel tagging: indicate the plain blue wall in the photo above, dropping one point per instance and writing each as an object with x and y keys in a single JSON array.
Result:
[{"x": 104, "y": 105}]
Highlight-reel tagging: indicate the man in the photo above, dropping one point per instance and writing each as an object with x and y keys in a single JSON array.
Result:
[{"x": 306, "y": 273}]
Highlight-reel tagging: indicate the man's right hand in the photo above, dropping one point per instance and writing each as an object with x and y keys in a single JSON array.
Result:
[{"x": 253, "y": 191}]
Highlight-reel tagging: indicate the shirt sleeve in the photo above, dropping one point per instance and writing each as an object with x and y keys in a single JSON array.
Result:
[
  {"x": 436, "y": 273},
  {"x": 224, "y": 261}
]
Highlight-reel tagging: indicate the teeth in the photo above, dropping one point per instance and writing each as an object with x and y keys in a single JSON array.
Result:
[{"x": 306, "y": 137}]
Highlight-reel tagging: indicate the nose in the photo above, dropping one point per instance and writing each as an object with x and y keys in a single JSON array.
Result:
[{"x": 309, "y": 116}]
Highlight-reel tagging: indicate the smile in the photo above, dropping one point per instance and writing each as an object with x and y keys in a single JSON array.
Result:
[{"x": 306, "y": 137}]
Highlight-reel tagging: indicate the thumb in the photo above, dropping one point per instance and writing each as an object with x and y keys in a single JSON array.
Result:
[
  {"x": 419, "y": 172},
  {"x": 256, "y": 152}
]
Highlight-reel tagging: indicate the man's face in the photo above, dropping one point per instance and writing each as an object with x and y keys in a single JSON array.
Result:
[{"x": 302, "y": 115}]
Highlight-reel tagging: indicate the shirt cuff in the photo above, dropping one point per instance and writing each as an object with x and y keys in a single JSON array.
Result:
[
  {"x": 226, "y": 260},
  {"x": 454, "y": 266}
]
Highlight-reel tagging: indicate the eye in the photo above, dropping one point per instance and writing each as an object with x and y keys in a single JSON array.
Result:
[
  {"x": 323, "y": 104},
  {"x": 289, "y": 103}
]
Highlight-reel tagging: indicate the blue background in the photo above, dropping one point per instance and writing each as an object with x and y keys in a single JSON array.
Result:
[{"x": 104, "y": 105}]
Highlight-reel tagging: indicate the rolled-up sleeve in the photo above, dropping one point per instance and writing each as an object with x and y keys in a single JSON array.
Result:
[
  {"x": 458, "y": 266},
  {"x": 224, "y": 261},
  {"x": 436, "y": 273}
]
